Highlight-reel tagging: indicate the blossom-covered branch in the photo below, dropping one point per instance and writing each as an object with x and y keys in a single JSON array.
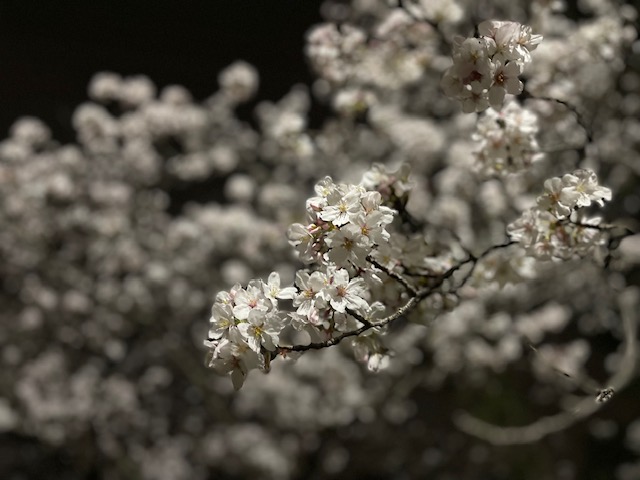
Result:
[{"x": 345, "y": 243}]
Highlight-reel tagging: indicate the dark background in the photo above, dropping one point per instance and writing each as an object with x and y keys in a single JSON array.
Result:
[{"x": 50, "y": 50}]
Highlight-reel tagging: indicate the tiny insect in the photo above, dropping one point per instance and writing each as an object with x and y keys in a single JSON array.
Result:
[{"x": 604, "y": 394}]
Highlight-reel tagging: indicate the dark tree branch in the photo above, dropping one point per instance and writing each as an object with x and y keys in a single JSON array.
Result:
[{"x": 416, "y": 297}]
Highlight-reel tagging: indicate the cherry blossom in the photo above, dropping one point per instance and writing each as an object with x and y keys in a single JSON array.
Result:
[{"x": 487, "y": 67}]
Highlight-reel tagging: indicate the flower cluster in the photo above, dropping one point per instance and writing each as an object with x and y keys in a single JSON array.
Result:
[
  {"x": 552, "y": 229},
  {"x": 507, "y": 140},
  {"x": 245, "y": 326},
  {"x": 346, "y": 223},
  {"x": 330, "y": 302},
  {"x": 563, "y": 195},
  {"x": 487, "y": 67}
]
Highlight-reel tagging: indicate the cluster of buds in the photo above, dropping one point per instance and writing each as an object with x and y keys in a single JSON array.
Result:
[
  {"x": 487, "y": 67},
  {"x": 553, "y": 228}
]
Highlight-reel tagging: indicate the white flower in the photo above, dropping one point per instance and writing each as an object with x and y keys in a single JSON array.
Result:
[
  {"x": 341, "y": 207},
  {"x": 234, "y": 356},
  {"x": 309, "y": 286},
  {"x": 226, "y": 298},
  {"x": 261, "y": 330},
  {"x": 273, "y": 291},
  {"x": 505, "y": 35},
  {"x": 370, "y": 228},
  {"x": 387, "y": 255},
  {"x": 301, "y": 238},
  {"x": 344, "y": 293},
  {"x": 572, "y": 191},
  {"x": 477, "y": 76},
  {"x": 584, "y": 184},
  {"x": 372, "y": 202},
  {"x": 222, "y": 320},
  {"x": 473, "y": 54},
  {"x": 250, "y": 302},
  {"x": 526, "y": 42},
  {"x": 505, "y": 80},
  {"x": 347, "y": 245},
  {"x": 485, "y": 68},
  {"x": 556, "y": 198}
]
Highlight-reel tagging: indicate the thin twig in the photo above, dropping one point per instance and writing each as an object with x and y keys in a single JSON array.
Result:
[
  {"x": 416, "y": 297},
  {"x": 525, "y": 95},
  {"x": 395, "y": 275}
]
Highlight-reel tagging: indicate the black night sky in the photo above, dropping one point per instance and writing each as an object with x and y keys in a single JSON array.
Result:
[{"x": 50, "y": 50}]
